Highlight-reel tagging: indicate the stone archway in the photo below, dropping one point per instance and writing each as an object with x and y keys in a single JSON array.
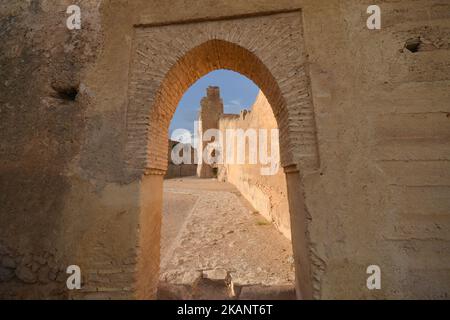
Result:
[{"x": 168, "y": 59}]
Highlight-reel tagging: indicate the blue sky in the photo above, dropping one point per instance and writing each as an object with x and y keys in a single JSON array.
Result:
[{"x": 237, "y": 92}]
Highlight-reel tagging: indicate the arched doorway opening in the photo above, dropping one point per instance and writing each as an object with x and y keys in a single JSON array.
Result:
[
  {"x": 226, "y": 225},
  {"x": 159, "y": 77}
]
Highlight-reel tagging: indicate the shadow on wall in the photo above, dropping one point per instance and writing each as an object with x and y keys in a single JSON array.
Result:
[{"x": 181, "y": 170}]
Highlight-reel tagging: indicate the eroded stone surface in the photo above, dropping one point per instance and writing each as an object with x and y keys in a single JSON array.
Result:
[
  {"x": 223, "y": 241},
  {"x": 381, "y": 191}
]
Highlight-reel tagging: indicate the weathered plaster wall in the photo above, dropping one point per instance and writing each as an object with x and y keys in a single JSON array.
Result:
[
  {"x": 382, "y": 121},
  {"x": 380, "y": 196},
  {"x": 266, "y": 193},
  {"x": 42, "y": 132}
]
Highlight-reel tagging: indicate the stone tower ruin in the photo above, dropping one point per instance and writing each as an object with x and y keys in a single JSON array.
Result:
[{"x": 211, "y": 111}]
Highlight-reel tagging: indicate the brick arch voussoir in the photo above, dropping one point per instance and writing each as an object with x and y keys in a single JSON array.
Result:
[
  {"x": 199, "y": 61},
  {"x": 168, "y": 59}
]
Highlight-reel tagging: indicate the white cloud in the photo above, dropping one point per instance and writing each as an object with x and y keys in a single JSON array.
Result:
[
  {"x": 233, "y": 106},
  {"x": 181, "y": 135}
]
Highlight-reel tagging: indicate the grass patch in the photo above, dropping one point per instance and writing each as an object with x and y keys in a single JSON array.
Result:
[{"x": 262, "y": 223}]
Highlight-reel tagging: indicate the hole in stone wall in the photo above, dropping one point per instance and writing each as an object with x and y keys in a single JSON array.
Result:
[
  {"x": 68, "y": 93},
  {"x": 413, "y": 44}
]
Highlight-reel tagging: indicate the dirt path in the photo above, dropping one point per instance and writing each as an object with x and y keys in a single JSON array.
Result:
[{"x": 215, "y": 246}]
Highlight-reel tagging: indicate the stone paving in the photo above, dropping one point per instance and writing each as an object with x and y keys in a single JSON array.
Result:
[{"x": 215, "y": 246}]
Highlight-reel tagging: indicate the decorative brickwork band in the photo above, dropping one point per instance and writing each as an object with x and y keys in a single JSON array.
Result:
[{"x": 167, "y": 60}]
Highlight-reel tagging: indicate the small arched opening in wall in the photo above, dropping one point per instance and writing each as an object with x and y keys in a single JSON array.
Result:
[{"x": 166, "y": 61}]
